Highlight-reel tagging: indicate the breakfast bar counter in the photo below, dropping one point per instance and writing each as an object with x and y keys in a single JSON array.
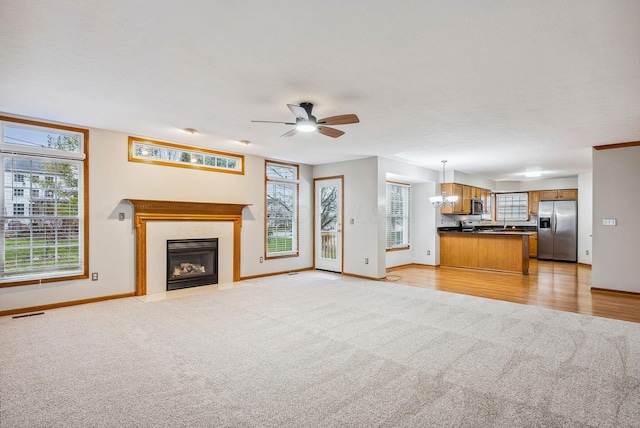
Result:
[{"x": 492, "y": 250}]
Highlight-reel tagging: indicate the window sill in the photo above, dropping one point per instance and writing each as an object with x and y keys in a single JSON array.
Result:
[
  {"x": 398, "y": 249},
  {"x": 281, "y": 256}
]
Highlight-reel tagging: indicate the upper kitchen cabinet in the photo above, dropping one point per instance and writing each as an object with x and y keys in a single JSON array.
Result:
[
  {"x": 453, "y": 189},
  {"x": 465, "y": 194},
  {"x": 466, "y": 199},
  {"x": 561, "y": 194},
  {"x": 568, "y": 194},
  {"x": 476, "y": 193},
  {"x": 534, "y": 198}
]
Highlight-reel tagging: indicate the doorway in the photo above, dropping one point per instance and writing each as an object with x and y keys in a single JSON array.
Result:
[{"x": 328, "y": 230}]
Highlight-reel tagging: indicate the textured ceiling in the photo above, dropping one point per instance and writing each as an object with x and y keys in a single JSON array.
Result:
[{"x": 495, "y": 87}]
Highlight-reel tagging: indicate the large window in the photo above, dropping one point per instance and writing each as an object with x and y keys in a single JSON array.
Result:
[
  {"x": 398, "y": 215},
  {"x": 512, "y": 206},
  {"x": 281, "y": 195},
  {"x": 44, "y": 186}
]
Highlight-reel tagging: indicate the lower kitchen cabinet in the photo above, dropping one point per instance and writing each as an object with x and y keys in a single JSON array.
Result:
[
  {"x": 533, "y": 245},
  {"x": 507, "y": 252}
]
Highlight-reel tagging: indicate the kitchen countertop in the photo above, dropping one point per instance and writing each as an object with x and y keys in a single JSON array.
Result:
[{"x": 493, "y": 232}]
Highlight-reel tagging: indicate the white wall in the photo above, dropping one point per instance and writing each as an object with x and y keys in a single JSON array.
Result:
[
  {"x": 365, "y": 202},
  {"x": 544, "y": 184},
  {"x": 470, "y": 180},
  {"x": 112, "y": 242},
  {"x": 423, "y": 221},
  {"x": 361, "y": 238},
  {"x": 585, "y": 217},
  {"x": 616, "y": 178}
]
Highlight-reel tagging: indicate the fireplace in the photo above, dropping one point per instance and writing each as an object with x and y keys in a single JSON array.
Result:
[{"x": 191, "y": 263}]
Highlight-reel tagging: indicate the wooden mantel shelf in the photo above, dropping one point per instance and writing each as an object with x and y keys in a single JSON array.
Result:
[
  {"x": 145, "y": 210},
  {"x": 146, "y": 206}
]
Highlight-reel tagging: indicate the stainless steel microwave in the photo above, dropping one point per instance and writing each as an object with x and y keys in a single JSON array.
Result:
[{"x": 477, "y": 206}]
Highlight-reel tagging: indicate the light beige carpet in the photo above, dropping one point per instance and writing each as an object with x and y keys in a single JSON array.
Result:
[{"x": 318, "y": 350}]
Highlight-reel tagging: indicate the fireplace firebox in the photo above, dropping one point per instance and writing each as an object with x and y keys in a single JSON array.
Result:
[{"x": 191, "y": 263}]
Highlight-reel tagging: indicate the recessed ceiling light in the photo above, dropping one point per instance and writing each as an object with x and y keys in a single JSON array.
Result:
[
  {"x": 190, "y": 130},
  {"x": 245, "y": 142},
  {"x": 533, "y": 174}
]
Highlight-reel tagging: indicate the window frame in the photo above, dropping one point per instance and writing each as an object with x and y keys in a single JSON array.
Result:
[
  {"x": 81, "y": 157},
  {"x": 406, "y": 232},
  {"x": 523, "y": 210},
  {"x": 197, "y": 155},
  {"x": 295, "y": 183}
]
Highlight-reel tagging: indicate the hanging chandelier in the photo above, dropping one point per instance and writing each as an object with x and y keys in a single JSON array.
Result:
[{"x": 443, "y": 200}]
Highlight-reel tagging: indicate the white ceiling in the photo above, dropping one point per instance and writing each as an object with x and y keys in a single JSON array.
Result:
[{"x": 495, "y": 87}]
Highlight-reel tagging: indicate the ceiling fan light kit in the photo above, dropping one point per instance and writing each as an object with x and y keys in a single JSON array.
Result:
[
  {"x": 306, "y": 122},
  {"x": 306, "y": 125}
]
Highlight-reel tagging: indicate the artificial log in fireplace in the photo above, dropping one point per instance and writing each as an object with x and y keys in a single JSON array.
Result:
[{"x": 192, "y": 262}]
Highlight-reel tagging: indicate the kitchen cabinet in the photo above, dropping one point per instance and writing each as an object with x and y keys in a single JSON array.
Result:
[
  {"x": 533, "y": 245},
  {"x": 465, "y": 194},
  {"x": 507, "y": 252},
  {"x": 568, "y": 194},
  {"x": 466, "y": 199},
  {"x": 453, "y": 189},
  {"x": 476, "y": 193},
  {"x": 558, "y": 195},
  {"x": 534, "y": 198}
]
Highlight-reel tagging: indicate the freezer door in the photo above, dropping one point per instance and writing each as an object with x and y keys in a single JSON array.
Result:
[
  {"x": 545, "y": 230},
  {"x": 565, "y": 238}
]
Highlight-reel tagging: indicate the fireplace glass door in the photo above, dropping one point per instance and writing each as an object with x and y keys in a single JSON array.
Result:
[{"x": 191, "y": 263}]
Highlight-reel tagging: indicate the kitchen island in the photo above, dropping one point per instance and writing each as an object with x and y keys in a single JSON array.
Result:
[{"x": 499, "y": 250}]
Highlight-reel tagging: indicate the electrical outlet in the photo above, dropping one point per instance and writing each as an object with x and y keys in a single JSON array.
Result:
[
  {"x": 121, "y": 216},
  {"x": 261, "y": 259},
  {"x": 94, "y": 276},
  {"x": 366, "y": 261},
  {"x": 608, "y": 221},
  {"x": 428, "y": 252},
  {"x": 352, "y": 221},
  {"x": 587, "y": 251}
]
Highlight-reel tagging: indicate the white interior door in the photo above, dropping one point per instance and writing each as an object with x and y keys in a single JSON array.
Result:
[{"x": 328, "y": 224}]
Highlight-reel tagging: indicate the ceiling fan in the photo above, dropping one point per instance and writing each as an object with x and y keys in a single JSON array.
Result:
[{"x": 306, "y": 122}]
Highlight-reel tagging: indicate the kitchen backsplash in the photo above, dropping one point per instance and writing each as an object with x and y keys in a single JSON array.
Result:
[{"x": 452, "y": 220}]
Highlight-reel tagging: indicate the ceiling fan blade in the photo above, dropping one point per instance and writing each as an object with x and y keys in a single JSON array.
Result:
[
  {"x": 298, "y": 112},
  {"x": 344, "y": 119},
  {"x": 271, "y": 121},
  {"x": 294, "y": 131},
  {"x": 330, "y": 132}
]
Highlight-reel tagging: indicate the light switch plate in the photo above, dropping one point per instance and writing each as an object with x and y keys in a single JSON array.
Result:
[{"x": 608, "y": 221}]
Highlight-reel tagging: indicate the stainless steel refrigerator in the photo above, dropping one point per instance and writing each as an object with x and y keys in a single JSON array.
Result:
[{"x": 558, "y": 230}]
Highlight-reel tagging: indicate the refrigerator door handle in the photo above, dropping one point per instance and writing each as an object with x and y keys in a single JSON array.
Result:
[{"x": 555, "y": 222}]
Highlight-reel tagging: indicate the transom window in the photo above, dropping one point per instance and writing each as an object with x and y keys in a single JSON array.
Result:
[
  {"x": 512, "y": 206},
  {"x": 398, "y": 215},
  {"x": 43, "y": 239},
  {"x": 281, "y": 194}
]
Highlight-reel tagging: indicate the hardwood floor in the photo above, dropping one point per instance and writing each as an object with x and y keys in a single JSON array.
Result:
[{"x": 555, "y": 285}]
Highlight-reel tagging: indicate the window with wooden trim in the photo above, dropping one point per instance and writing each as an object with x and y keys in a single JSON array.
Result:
[
  {"x": 171, "y": 154},
  {"x": 45, "y": 232},
  {"x": 281, "y": 206},
  {"x": 398, "y": 215},
  {"x": 512, "y": 206}
]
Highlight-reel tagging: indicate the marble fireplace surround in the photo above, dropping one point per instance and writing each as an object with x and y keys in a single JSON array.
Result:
[{"x": 145, "y": 211}]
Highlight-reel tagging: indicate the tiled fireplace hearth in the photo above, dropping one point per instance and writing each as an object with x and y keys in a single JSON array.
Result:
[{"x": 181, "y": 216}]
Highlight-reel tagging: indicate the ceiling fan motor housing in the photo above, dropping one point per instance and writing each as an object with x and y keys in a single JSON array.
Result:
[{"x": 307, "y": 107}]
